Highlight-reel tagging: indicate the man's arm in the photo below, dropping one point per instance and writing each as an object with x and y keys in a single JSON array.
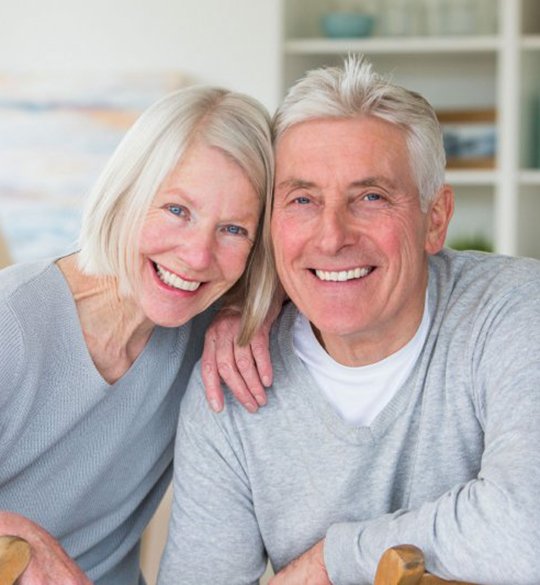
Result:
[
  {"x": 308, "y": 569},
  {"x": 213, "y": 532}
]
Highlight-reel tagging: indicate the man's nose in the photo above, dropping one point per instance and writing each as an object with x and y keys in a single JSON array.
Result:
[{"x": 334, "y": 231}]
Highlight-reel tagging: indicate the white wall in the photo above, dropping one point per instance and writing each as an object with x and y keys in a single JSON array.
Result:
[{"x": 229, "y": 42}]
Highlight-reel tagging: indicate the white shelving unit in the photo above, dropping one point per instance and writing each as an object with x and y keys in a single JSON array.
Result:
[{"x": 500, "y": 70}]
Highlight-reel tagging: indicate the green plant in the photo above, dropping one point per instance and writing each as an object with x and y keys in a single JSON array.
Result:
[{"x": 478, "y": 242}]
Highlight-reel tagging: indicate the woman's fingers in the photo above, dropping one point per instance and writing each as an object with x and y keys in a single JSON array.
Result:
[{"x": 224, "y": 360}]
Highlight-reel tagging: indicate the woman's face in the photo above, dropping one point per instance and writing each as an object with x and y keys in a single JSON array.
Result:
[{"x": 196, "y": 237}]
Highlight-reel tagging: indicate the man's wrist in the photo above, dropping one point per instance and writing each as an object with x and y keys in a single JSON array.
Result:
[{"x": 341, "y": 554}]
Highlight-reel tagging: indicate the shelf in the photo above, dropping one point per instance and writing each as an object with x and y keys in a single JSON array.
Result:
[
  {"x": 530, "y": 177},
  {"x": 471, "y": 177},
  {"x": 397, "y": 45},
  {"x": 531, "y": 42}
]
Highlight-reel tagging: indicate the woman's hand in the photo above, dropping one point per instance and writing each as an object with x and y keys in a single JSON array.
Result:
[
  {"x": 245, "y": 370},
  {"x": 49, "y": 563}
]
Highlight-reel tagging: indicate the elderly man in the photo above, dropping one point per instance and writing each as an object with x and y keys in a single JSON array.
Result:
[{"x": 405, "y": 405}]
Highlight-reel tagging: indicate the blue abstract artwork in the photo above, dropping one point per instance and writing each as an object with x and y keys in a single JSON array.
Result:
[{"x": 56, "y": 133}]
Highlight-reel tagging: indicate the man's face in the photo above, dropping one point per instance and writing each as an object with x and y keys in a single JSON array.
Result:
[{"x": 350, "y": 239}]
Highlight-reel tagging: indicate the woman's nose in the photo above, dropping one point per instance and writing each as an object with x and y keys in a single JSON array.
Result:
[{"x": 197, "y": 250}]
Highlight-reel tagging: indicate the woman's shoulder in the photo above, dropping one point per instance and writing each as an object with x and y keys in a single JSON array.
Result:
[
  {"x": 30, "y": 297},
  {"x": 15, "y": 279}
]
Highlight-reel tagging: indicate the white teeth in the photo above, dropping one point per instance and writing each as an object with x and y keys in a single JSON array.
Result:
[
  {"x": 342, "y": 275},
  {"x": 175, "y": 281}
]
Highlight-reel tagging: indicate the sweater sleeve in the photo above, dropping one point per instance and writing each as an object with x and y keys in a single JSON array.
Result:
[
  {"x": 487, "y": 530},
  {"x": 213, "y": 532},
  {"x": 11, "y": 355}
]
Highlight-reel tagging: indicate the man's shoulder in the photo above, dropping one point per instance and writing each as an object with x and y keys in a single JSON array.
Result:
[
  {"x": 489, "y": 275},
  {"x": 230, "y": 426},
  {"x": 195, "y": 406},
  {"x": 281, "y": 332},
  {"x": 285, "y": 361},
  {"x": 193, "y": 402}
]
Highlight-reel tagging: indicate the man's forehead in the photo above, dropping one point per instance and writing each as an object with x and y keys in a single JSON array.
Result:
[
  {"x": 322, "y": 132},
  {"x": 302, "y": 141},
  {"x": 314, "y": 126},
  {"x": 352, "y": 152}
]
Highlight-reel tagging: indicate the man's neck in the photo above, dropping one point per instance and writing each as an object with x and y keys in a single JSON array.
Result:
[{"x": 369, "y": 347}]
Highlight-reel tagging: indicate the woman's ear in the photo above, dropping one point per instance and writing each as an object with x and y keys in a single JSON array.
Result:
[{"x": 439, "y": 214}]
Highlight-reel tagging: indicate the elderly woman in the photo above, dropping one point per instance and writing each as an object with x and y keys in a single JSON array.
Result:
[{"x": 97, "y": 346}]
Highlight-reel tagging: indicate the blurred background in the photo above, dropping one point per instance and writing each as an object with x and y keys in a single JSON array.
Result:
[{"x": 74, "y": 75}]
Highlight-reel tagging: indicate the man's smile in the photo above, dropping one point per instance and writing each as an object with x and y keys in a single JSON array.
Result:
[{"x": 343, "y": 275}]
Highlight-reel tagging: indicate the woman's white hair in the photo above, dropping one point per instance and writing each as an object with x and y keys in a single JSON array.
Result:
[
  {"x": 234, "y": 123},
  {"x": 355, "y": 90}
]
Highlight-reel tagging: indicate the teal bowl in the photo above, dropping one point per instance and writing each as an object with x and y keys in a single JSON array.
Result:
[{"x": 340, "y": 25}]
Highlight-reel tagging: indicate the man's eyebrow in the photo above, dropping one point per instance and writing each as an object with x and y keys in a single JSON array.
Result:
[
  {"x": 373, "y": 182},
  {"x": 295, "y": 184},
  {"x": 367, "y": 182}
]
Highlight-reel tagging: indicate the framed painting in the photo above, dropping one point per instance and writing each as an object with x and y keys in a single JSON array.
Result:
[{"x": 470, "y": 138}]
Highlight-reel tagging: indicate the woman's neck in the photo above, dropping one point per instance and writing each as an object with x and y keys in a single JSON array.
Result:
[{"x": 115, "y": 328}]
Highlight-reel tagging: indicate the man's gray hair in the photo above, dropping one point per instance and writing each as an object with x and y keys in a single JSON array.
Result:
[
  {"x": 234, "y": 123},
  {"x": 355, "y": 90}
]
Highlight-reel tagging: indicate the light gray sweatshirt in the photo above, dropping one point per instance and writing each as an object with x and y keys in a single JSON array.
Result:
[{"x": 452, "y": 463}]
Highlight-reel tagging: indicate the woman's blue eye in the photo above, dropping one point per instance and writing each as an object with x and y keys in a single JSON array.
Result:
[
  {"x": 302, "y": 200},
  {"x": 177, "y": 209}
]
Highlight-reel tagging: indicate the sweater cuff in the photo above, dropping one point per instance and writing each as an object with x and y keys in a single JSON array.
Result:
[{"x": 342, "y": 557}]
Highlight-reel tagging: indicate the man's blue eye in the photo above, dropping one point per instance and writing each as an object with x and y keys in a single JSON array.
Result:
[
  {"x": 373, "y": 197},
  {"x": 235, "y": 230}
]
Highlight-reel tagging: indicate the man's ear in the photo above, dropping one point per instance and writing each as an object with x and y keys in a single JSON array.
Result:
[{"x": 439, "y": 214}]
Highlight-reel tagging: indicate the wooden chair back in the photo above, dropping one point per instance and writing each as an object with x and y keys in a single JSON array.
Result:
[
  {"x": 5, "y": 257},
  {"x": 404, "y": 565},
  {"x": 14, "y": 558}
]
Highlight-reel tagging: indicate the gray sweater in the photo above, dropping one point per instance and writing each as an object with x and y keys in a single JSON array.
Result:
[
  {"x": 452, "y": 463},
  {"x": 86, "y": 460}
]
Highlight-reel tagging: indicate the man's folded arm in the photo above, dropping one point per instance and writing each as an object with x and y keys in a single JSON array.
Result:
[{"x": 486, "y": 529}]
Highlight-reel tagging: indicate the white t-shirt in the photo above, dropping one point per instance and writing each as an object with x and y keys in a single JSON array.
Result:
[{"x": 358, "y": 393}]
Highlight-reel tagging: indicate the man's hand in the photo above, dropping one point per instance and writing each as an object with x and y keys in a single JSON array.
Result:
[
  {"x": 245, "y": 370},
  {"x": 49, "y": 564},
  {"x": 307, "y": 569}
]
